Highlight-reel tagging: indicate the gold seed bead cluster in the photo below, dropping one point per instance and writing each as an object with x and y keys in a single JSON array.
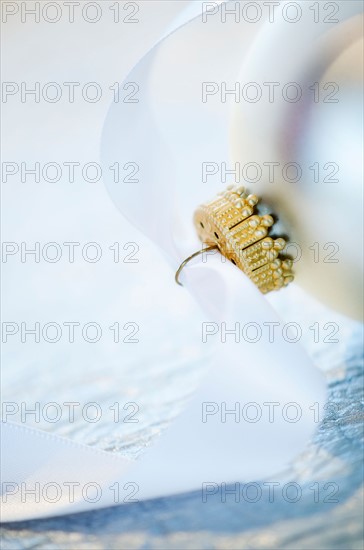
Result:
[{"x": 229, "y": 222}]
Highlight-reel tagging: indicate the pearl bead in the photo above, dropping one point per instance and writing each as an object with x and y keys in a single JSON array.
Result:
[
  {"x": 254, "y": 221},
  {"x": 276, "y": 264},
  {"x": 252, "y": 200},
  {"x": 271, "y": 255},
  {"x": 279, "y": 244},
  {"x": 261, "y": 232},
  {"x": 267, "y": 243},
  {"x": 267, "y": 220}
]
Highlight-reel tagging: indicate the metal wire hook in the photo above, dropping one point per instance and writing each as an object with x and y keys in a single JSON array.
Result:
[{"x": 178, "y": 272}]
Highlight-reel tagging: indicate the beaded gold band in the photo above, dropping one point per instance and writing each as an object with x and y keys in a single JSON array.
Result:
[{"x": 230, "y": 224}]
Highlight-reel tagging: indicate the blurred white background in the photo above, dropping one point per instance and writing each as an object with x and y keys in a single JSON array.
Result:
[{"x": 103, "y": 292}]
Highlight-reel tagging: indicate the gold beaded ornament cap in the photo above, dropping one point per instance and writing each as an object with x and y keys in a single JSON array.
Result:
[{"x": 230, "y": 223}]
